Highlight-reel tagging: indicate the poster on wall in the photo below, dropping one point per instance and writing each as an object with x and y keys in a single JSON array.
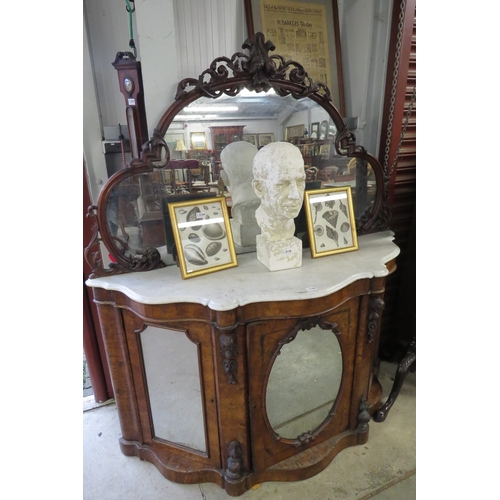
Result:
[{"x": 306, "y": 32}]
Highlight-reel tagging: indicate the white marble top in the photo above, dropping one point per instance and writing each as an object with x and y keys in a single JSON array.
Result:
[{"x": 252, "y": 282}]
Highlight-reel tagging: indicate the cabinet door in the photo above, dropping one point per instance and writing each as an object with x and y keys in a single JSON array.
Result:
[
  {"x": 301, "y": 374},
  {"x": 171, "y": 366}
]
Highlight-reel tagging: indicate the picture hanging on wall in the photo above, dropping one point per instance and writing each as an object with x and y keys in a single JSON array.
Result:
[
  {"x": 330, "y": 221},
  {"x": 264, "y": 139},
  {"x": 251, "y": 138},
  {"x": 314, "y": 130},
  {"x": 203, "y": 237}
]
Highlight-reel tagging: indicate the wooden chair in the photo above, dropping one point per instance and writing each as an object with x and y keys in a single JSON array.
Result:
[{"x": 181, "y": 169}]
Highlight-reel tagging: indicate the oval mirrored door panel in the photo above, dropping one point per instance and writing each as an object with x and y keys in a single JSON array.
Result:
[{"x": 304, "y": 382}]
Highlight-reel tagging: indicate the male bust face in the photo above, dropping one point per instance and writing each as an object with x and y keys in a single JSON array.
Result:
[{"x": 279, "y": 180}]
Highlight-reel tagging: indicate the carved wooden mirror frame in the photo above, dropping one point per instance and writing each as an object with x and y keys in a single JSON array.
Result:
[{"x": 257, "y": 71}]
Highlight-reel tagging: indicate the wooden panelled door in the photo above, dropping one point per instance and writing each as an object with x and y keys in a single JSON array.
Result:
[{"x": 399, "y": 158}]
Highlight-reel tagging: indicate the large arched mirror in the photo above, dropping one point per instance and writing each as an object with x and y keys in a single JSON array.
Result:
[{"x": 255, "y": 96}]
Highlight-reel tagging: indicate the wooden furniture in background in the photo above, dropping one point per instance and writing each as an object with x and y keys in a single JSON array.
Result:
[{"x": 222, "y": 136}]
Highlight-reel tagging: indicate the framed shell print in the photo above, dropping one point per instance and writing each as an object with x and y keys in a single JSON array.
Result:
[
  {"x": 330, "y": 221},
  {"x": 203, "y": 236}
]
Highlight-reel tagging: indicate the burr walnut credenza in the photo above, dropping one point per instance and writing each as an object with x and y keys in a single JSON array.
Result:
[{"x": 208, "y": 382}]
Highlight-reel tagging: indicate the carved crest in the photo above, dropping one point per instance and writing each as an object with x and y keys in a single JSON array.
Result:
[{"x": 264, "y": 71}]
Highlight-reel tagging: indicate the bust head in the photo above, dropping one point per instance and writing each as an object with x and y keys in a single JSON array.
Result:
[
  {"x": 279, "y": 181},
  {"x": 237, "y": 162}
]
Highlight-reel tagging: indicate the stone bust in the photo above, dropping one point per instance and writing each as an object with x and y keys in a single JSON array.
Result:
[
  {"x": 279, "y": 182},
  {"x": 237, "y": 163}
]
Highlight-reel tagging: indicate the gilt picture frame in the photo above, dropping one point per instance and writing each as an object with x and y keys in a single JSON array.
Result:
[
  {"x": 330, "y": 221},
  {"x": 203, "y": 236}
]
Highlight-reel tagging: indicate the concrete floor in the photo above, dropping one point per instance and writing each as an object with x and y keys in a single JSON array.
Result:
[{"x": 384, "y": 468}]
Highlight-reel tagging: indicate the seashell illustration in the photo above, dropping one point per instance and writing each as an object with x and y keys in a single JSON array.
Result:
[
  {"x": 332, "y": 234},
  {"x": 224, "y": 249},
  {"x": 194, "y": 255},
  {"x": 318, "y": 230},
  {"x": 331, "y": 216},
  {"x": 345, "y": 241},
  {"x": 343, "y": 208},
  {"x": 191, "y": 216},
  {"x": 205, "y": 207},
  {"x": 317, "y": 208},
  {"x": 330, "y": 203},
  {"x": 194, "y": 237},
  {"x": 213, "y": 248},
  {"x": 216, "y": 258},
  {"x": 322, "y": 245},
  {"x": 182, "y": 211},
  {"x": 345, "y": 227},
  {"x": 214, "y": 231}
]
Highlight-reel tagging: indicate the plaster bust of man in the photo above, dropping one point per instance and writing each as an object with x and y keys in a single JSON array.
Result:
[
  {"x": 279, "y": 181},
  {"x": 237, "y": 162}
]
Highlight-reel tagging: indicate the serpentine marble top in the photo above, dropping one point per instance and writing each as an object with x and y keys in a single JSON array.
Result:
[{"x": 252, "y": 282}]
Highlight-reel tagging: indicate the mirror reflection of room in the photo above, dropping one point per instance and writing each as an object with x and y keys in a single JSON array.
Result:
[{"x": 208, "y": 126}]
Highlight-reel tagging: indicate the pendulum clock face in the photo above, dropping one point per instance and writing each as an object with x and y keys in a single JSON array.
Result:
[{"x": 128, "y": 85}]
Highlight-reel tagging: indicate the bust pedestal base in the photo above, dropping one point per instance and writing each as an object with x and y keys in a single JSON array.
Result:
[{"x": 279, "y": 255}]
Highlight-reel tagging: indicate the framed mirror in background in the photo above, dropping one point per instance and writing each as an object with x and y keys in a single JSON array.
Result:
[{"x": 306, "y": 31}]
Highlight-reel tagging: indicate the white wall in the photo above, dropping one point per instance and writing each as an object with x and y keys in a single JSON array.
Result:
[{"x": 176, "y": 39}]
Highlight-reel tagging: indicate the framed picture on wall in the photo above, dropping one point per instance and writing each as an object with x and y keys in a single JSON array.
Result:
[
  {"x": 330, "y": 221},
  {"x": 296, "y": 131},
  {"x": 323, "y": 130},
  {"x": 198, "y": 140},
  {"x": 314, "y": 130},
  {"x": 251, "y": 138},
  {"x": 317, "y": 35},
  {"x": 264, "y": 139},
  {"x": 203, "y": 236},
  {"x": 324, "y": 151}
]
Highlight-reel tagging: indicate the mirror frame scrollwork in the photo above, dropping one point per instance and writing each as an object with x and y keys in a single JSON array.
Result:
[{"x": 258, "y": 71}]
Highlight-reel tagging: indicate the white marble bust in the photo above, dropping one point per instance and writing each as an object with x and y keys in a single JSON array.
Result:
[
  {"x": 279, "y": 181},
  {"x": 237, "y": 174}
]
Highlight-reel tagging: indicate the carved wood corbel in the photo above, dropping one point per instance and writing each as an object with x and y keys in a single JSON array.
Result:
[
  {"x": 375, "y": 308},
  {"x": 234, "y": 468},
  {"x": 229, "y": 352},
  {"x": 363, "y": 416}
]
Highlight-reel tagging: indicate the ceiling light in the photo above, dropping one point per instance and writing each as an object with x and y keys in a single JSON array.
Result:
[
  {"x": 193, "y": 117},
  {"x": 199, "y": 109}
]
